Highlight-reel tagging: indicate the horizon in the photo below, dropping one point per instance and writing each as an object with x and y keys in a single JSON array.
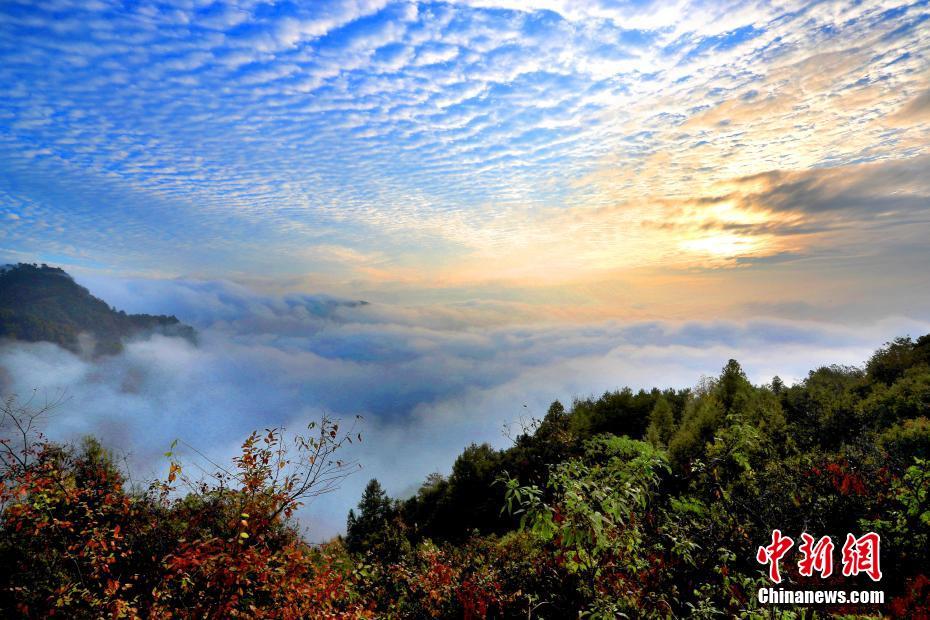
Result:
[{"x": 538, "y": 200}]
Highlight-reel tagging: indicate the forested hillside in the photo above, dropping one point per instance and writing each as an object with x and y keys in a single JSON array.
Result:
[
  {"x": 654, "y": 503},
  {"x": 635, "y": 504},
  {"x": 39, "y": 303}
]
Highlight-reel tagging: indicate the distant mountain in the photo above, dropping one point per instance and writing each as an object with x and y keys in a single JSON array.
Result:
[{"x": 39, "y": 303}]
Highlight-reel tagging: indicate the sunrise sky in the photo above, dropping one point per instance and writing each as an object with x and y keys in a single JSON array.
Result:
[
  {"x": 515, "y": 146},
  {"x": 539, "y": 199}
]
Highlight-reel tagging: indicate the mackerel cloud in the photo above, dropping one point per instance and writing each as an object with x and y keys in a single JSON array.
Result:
[{"x": 360, "y": 137}]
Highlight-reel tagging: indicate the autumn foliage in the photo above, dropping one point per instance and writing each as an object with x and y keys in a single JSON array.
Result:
[
  {"x": 648, "y": 504},
  {"x": 79, "y": 542}
]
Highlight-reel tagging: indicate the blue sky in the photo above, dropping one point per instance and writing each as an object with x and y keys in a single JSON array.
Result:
[
  {"x": 539, "y": 199},
  {"x": 378, "y": 145}
]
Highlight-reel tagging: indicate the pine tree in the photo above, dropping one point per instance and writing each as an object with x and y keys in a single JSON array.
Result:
[
  {"x": 661, "y": 423},
  {"x": 365, "y": 529}
]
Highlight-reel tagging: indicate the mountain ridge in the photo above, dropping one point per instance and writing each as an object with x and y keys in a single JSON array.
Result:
[{"x": 39, "y": 303}]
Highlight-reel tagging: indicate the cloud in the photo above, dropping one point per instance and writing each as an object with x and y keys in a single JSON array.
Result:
[
  {"x": 381, "y": 127},
  {"x": 872, "y": 190},
  {"x": 428, "y": 380},
  {"x": 498, "y": 179},
  {"x": 917, "y": 110}
]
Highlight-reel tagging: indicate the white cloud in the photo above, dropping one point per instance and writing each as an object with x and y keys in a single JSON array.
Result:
[
  {"x": 438, "y": 101},
  {"x": 428, "y": 380}
]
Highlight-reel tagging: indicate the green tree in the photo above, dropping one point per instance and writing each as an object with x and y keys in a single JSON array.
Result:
[
  {"x": 661, "y": 423},
  {"x": 732, "y": 385},
  {"x": 369, "y": 527}
]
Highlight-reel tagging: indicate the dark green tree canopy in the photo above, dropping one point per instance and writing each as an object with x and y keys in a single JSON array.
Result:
[{"x": 375, "y": 510}]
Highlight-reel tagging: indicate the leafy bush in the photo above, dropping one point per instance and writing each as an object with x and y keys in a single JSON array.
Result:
[{"x": 647, "y": 504}]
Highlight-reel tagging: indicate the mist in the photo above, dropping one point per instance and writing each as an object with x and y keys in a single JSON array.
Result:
[{"x": 427, "y": 380}]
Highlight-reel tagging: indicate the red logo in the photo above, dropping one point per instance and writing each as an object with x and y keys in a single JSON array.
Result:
[
  {"x": 774, "y": 552},
  {"x": 817, "y": 557},
  {"x": 859, "y": 555}
]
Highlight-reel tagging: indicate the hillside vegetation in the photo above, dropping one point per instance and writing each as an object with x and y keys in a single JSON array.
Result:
[
  {"x": 635, "y": 504},
  {"x": 39, "y": 303},
  {"x": 654, "y": 503}
]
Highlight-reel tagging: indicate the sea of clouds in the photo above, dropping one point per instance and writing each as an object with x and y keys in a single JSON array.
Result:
[{"x": 428, "y": 380}]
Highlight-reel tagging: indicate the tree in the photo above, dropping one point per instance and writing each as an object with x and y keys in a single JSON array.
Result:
[
  {"x": 555, "y": 422},
  {"x": 892, "y": 360},
  {"x": 732, "y": 384},
  {"x": 661, "y": 423},
  {"x": 76, "y": 541},
  {"x": 367, "y": 529},
  {"x": 596, "y": 516}
]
